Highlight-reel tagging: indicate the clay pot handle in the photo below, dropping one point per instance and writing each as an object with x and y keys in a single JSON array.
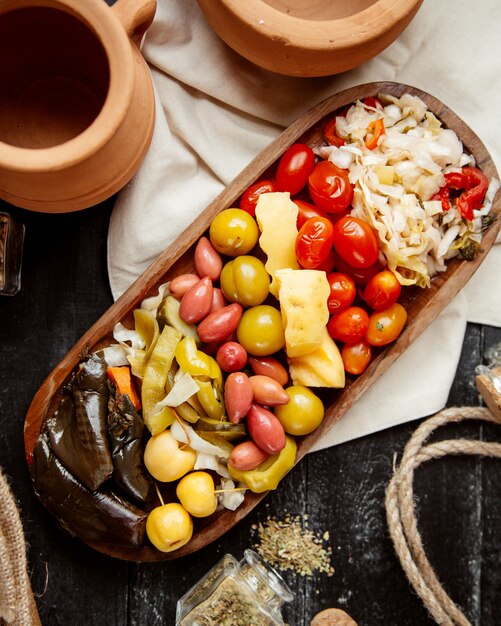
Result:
[{"x": 136, "y": 16}]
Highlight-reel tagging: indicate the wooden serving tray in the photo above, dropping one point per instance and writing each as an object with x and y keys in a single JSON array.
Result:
[{"x": 422, "y": 305}]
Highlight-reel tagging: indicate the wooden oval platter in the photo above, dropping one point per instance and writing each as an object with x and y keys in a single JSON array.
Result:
[{"x": 422, "y": 305}]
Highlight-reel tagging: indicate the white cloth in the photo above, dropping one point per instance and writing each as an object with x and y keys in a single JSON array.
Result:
[{"x": 216, "y": 111}]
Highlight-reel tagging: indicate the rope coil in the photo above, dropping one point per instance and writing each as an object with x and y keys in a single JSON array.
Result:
[
  {"x": 400, "y": 510},
  {"x": 17, "y": 604}
]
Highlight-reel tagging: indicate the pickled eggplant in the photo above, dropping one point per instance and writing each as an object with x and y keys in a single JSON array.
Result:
[
  {"x": 126, "y": 432},
  {"x": 99, "y": 516},
  {"x": 77, "y": 431}
]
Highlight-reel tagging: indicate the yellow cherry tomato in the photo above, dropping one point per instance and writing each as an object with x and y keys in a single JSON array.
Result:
[
  {"x": 233, "y": 232},
  {"x": 245, "y": 280},
  {"x": 386, "y": 325},
  {"x": 303, "y": 413},
  {"x": 260, "y": 330}
]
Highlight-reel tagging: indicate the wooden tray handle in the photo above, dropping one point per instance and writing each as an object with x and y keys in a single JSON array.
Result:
[{"x": 136, "y": 16}]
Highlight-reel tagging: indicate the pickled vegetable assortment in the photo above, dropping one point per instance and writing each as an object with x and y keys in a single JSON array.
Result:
[{"x": 293, "y": 289}]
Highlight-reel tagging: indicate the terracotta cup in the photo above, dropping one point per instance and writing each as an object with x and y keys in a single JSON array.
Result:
[{"x": 76, "y": 100}]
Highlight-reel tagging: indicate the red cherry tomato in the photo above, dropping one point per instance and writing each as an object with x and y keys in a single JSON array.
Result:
[
  {"x": 328, "y": 265},
  {"x": 307, "y": 210},
  {"x": 294, "y": 167},
  {"x": 356, "y": 357},
  {"x": 355, "y": 242},
  {"x": 335, "y": 217},
  {"x": 360, "y": 275},
  {"x": 349, "y": 326},
  {"x": 251, "y": 195},
  {"x": 385, "y": 326},
  {"x": 330, "y": 134},
  {"x": 343, "y": 292},
  {"x": 382, "y": 290},
  {"x": 330, "y": 187},
  {"x": 314, "y": 242},
  {"x": 231, "y": 357},
  {"x": 373, "y": 102}
]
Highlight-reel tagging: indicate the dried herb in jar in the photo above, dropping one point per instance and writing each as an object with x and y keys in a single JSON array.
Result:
[
  {"x": 229, "y": 605},
  {"x": 236, "y": 593}
]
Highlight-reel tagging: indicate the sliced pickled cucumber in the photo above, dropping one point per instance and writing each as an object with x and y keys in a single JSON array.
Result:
[
  {"x": 228, "y": 435},
  {"x": 187, "y": 412},
  {"x": 209, "y": 423},
  {"x": 219, "y": 427},
  {"x": 217, "y": 440},
  {"x": 168, "y": 313}
]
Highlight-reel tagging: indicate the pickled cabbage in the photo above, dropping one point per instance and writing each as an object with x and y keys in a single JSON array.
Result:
[{"x": 394, "y": 184}]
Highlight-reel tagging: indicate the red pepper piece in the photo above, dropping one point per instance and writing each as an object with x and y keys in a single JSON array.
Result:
[
  {"x": 472, "y": 182},
  {"x": 375, "y": 130},
  {"x": 443, "y": 195},
  {"x": 456, "y": 180},
  {"x": 473, "y": 196}
]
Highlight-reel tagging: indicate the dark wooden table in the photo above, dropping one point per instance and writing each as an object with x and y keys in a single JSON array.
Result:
[{"x": 64, "y": 290}]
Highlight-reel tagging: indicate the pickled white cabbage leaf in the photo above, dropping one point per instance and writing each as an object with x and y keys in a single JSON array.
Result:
[
  {"x": 123, "y": 335},
  {"x": 184, "y": 387},
  {"x": 210, "y": 462},
  {"x": 152, "y": 303},
  {"x": 185, "y": 434},
  {"x": 114, "y": 355}
]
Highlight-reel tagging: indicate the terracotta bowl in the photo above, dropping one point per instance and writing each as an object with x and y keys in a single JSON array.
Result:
[
  {"x": 76, "y": 100},
  {"x": 315, "y": 38}
]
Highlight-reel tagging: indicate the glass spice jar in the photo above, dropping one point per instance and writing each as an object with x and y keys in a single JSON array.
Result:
[
  {"x": 236, "y": 593},
  {"x": 11, "y": 248}
]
